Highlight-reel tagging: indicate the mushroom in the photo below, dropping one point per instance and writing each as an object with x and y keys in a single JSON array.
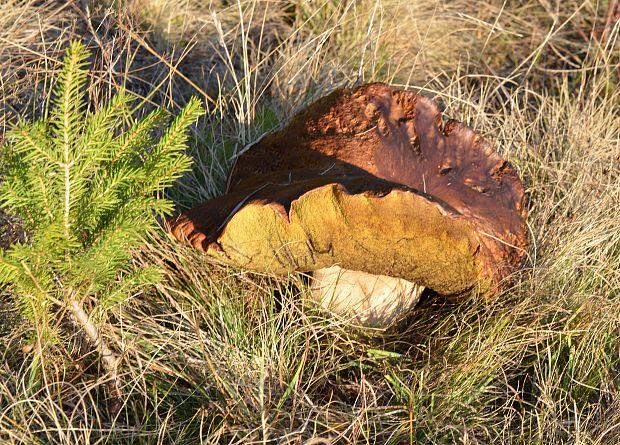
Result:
[{"x": 375, "y": 196}]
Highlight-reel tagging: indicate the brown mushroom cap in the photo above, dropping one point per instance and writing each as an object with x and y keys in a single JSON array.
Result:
[{"x": 369, "y": 180}]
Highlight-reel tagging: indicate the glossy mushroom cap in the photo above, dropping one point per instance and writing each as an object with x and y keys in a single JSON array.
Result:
[{"x": 369, "y": 180}]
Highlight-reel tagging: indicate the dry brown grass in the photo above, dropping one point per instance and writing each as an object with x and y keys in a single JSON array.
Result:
[{"x": 220, "y": 355}]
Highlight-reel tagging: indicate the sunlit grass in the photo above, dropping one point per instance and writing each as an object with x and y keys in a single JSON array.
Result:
[{"x": 215, "y": 354}]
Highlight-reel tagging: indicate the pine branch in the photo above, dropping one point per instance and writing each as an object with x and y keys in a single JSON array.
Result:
[
  {"x": 132, "y": 142},
  {"x": 87, "y": 184}
]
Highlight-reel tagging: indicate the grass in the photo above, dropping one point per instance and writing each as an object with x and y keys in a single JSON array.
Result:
[{"x": 219, "y": 355}]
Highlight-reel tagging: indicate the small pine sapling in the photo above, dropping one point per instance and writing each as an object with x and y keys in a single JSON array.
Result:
[{"x": 87, "y": 187}]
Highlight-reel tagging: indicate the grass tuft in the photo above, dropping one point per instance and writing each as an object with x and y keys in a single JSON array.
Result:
[{"x": 220, "y": 355}]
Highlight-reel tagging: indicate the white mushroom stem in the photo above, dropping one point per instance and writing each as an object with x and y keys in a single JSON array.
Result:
[{"x": 372, "y": 300}]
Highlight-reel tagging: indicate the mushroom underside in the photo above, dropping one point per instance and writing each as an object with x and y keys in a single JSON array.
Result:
[{"x": 378, "y": 229}]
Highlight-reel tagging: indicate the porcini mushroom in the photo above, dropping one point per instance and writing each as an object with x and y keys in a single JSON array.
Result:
[{"x": 378, "y": 198}]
